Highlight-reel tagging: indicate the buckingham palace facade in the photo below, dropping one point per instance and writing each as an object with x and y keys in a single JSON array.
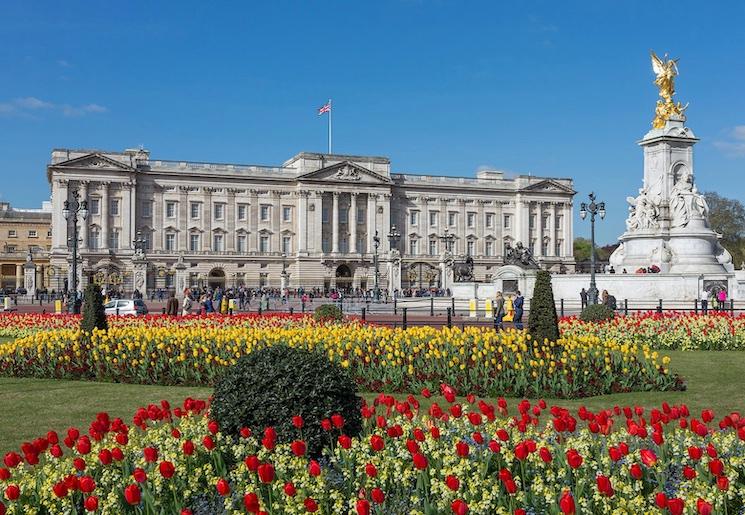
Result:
[{"x": 316, "y": 221}]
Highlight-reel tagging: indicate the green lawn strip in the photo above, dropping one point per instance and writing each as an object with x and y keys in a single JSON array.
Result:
[{"x": 30, "y": 407}]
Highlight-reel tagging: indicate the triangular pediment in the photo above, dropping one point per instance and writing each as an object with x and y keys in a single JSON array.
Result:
[
  {"x": 549, "y": 186},
  {"x": 345, "y": 172},
  {"x": 94, "y": 161}
]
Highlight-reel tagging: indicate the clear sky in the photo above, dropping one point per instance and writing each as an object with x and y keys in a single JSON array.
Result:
[{"x": 549, "y": 88}]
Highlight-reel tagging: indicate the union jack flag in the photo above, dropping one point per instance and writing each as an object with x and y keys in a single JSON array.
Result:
[{"x": 326, "y": 108}]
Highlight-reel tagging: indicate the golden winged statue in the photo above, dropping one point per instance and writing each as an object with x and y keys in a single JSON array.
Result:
[{"x": 665, "y": 70}]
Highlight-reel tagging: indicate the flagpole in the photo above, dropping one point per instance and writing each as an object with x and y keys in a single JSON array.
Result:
[{"x": 331, "y": 109}]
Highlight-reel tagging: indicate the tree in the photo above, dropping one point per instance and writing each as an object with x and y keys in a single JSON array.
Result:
[
  {"x": 582, "y": 250},
  {"x": 543, "y": 322},
  {"x": 94, "y": 314},
  {"x": 727, "y": 217}
]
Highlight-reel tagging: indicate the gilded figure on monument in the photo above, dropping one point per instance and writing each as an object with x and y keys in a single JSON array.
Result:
[{"x": 665, "y": 70}]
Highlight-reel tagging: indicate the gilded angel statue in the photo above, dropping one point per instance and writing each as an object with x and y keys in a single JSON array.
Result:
[{"x": 665, "y": 72}]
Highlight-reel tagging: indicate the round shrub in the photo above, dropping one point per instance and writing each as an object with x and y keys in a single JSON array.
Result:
[
  {"x": 596, "y": 313},
  {"x": 328, "y": 313},
  {"x": 268, "y": 387}
]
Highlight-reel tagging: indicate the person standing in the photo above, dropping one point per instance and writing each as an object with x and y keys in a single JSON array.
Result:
[
  {"x": 499, "y": 310},
  {"x": 722, "y": 299},
  {"x": 186, "y": 304},
  {"x": 172, "y": 305},
  {"x": 519, "y": 303},
  {"x": 583, "y": 298},
  {"x": 704, "y": 302}
]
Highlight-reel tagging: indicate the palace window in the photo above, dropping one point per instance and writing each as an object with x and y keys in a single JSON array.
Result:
[
  {"x": 12, "y": 233},
  {"x": 414, "y": 217},
  {"x": 194, "y": 207},
  {"x": 32, "y": 234},
  {"x": 241, "y": 243},
  {"x": 531, "y": 247},
  {"x": 558, "y": 247},
  {"x": 489, "y": 220},
  {"x": 242, "y": 212},
  {"x": 545, "y": 247},
  {"x": 432, "y": 247},
  {"x": 531, "y": 222},
  {"x": 471, "y": 220},
  {"x": 194, "y": 242},
  {"x": 219, "y": 211},
  {"x": 286, "y": 245},
  {"x": 264, "y": 244},
  {"x": 489, "y": 246},
  {"x": 114, "y": 207},
  {"x": 433, "y": 216},
  {"x": 325, "y": 215},
  {"x": 114, "y": 239},
  {"x": 507, "y": 221},
  {"x": 413, "y": 247},
  {"x": 170, "y": 241},
  {"x": 11, "y": 248},
  {"x": 218, "y": 243},
  {"x": 343, "y": 215},
  {"x": 265, "y": 212},
  {"x": 170, "y": 209},
  {"x": 147, "y": 209},
  {"x": 94, "y": 240},
  {"x": 360, "y": 216},
  {"x": 544, "y": 225},
  {"x": 94, "y": 205},
  {"x": 471, "y": 247},
  {"x": 559, "y": 220},
  {"x": 286, "y": 214},
  {"x": 452, "y": 219}
]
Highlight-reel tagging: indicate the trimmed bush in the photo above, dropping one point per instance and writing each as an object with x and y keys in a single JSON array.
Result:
[
  {"x": 94, "y": 315},
  {"x": 596, "y": 313},
  {"x": 270, "y": 386},
  {"x": 543, "y": 322},
  {"x": 328, "y": 313}
]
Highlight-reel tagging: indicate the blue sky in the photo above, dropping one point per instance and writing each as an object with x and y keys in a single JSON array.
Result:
[{"x": 549, "y": 88}]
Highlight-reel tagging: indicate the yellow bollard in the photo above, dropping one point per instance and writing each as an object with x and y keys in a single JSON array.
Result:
[
  {"x": 488, "y": 309},
  {"x": 6, "y": 303},
  {"x": 58, "y": 307},
  {"x": 472, "y": 307}
]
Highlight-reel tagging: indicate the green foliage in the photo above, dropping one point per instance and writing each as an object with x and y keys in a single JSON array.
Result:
[
  {"x": 328, "y": 312},
  {"x": 543, "y": 322},
  {"x": 582, "y": 250},
  {"x": 596, "y": 313},
  {"x": 727, "y": 217},
  {"x": 94, "y": 315},
  {"x": 270, "y": 386}
]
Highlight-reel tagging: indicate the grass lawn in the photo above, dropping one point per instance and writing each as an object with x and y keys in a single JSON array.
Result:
[{"x": 30, "y": 407}]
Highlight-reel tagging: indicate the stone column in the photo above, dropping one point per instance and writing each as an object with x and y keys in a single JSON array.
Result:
[
  {"x": 539, "y": 229},
  {"x": 371, "y": 213},
  {"x": 207, "y": 219},
  {"x": 385, "y": 226},
  {"x": 276, "y": 244},
  {"x": 133, "y": 215},
  {"x": 157, "y": 214},
  {"x": 125, "y": 204},
  {"x": 182, "y": 276},
  {"x": 317, "y": 239},
  {"x": 335, "y": 223},
  {"x": 480, "y": 227},
  {"x": 567, "y": 233},
  {"x": 19, "y": 276},
  {"x": 552, "y": 231},
  {"x": 104, "y": 209},
  {"x": 353, "y": 222},
  {"x": 59, "y": 224},
  {"x": 230, "y": 219},
  {"x": 253, "y": 220},
  {"x": 83, "y": 222},
  {"x": 302, "y": 222},
  {"x": 498, "y": 228},
  {"x": 183, "y": 219}
]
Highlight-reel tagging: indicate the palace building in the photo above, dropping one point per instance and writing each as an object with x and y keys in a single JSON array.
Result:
[
  {"x": 25, "y": 236},
  {"x": 318, "y": 220}
]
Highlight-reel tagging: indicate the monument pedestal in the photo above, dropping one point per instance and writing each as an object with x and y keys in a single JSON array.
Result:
[
  {"x": 139, "y": 278},
  {"x": 29, "y": 277}
]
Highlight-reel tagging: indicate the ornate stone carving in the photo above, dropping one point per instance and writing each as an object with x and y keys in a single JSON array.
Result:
[
  {"x": 348, "y": 173},
  {"x": 686, "y": 203},
  {"x": 519, "y": 255},
  {"x": 643, "y": 212}
]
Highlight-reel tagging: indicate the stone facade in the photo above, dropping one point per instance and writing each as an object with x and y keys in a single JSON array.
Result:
[
  {"x": 24, "y": 232},
  {"x": 315, "y": 217}
]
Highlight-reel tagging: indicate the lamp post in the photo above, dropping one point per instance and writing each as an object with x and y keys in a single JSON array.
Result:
[
  {"x": 139, "y": 244},
  {"x": 285, "y": 276},
  {"x": 393, "y": 238},
  {"x": 73, "y": 208},
  {"x": 376, "y": 288},
  {"x": 594, "y": 209},
  {"x": 448, "y": 239}
]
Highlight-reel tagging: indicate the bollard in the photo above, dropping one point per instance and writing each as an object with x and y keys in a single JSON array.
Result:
[
  {"x": 117, "y": 311},
  {"x": 695, "y": 306},
  {"x": 473, "y": 308},
  {"x": 395, "y": 306},
  {"x": 452, "y": 304},
  {"x": 163, "y": 311},
  {"x": 732, "y": 307},
  {"x": 404, "y": 324},
  {"x": 44, "y": 311},
  {"x": 58, "y": 307},
  {"x": 259, "y": 311},
  {"x": 626, "y": 307},
  {"x": 292, "y": 310},
  {"x": 303, "y": 306},
  {"x": 561, "y": 306},
  {"x": 431, "y": 306},
  {"x": 364, "y": 312},
  {"x": 488, "y": 308},
  {"x": 659, "y": 307},
  {"x": 450, "y": 319}
]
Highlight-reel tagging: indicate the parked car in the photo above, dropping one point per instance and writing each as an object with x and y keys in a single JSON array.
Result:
[{"x": 125, "y": 307}]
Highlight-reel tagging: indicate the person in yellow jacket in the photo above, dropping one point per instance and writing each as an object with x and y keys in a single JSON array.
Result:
[
  {"x": 224, "y": 305},
  {"x": 509, "y": 310}
]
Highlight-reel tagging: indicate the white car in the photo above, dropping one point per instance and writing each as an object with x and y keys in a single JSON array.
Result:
[{"x": 125, "y": 307}]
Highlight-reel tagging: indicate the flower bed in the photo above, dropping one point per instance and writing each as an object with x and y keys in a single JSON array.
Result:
[
  {"x": 669, "y": 331},
  {"x": 480, "y": 360},
  {"x": 458, "y": 458}
]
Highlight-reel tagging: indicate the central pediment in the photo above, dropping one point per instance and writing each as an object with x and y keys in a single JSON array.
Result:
[
  {"x": 549, "y": 186},
  {"x": 95, "y": 161},
  {"x": 345, "y": 172}
]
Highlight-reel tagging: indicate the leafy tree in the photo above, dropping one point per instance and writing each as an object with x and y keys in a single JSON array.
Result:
[
  {"x": 543, "y": 322},
  {"x": 94, "y": 314},
  {"x": 582, "y": 250},
  {"x": 727, "y": 217}
]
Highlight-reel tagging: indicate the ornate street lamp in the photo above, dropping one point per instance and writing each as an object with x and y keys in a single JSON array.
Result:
[
  {"x": 593, "y": 209},
  {"x": 448, "y": 238},
  {"x": 376, "y": 289},
  {"x": 71, "y": 210}
]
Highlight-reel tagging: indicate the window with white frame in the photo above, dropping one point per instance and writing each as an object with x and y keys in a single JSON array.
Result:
[
  {"x": 94, "y": 238},
  {"x": 471, "y": 220},
  {"x": 433, "y": 247},
  {"x": 12, "y": 233},
  {"x": 195, "y": 208},
  {"x": 218, "y": 242},
  {"x": 265, "y": 212},
  {"x": 170, "y": 209},
  {"x": 414, "y": 217},
  {"x": 219, "y": 210},
  {"x": 452, "y": 218},
  {"x": 558, "y": 248},
  {"x": 242, "y": 212},
  {"x": 325, "y": 215},
  {"x": 94, "y": 206},
  {"x": 489, "y": 248},
  {"x": 559, "y": 220},
  {"x": 286, "y": 245},
  {"x": 147, "y": 236},
  {"x": 544, "y": 225},
  {"x": 286, "y": 213},
  {"x": 343, "y": 215},
  {"x": 531, "y": 222},
  {"x": 114, "y": 206},
  {"x": 360, "y": 216},
  {"x": 507, "y": 221},
  {"x": 114, "y": 239},
  {"x": 489, "y": 220},
  {"x": 170, "y": 241},
  {"x": 147, "y": 209},
  {"x": 32, "y": 233},
  {"x": 264, "y": 243},
  {"x": 433, "y": 216},
  {"x": 241, "y": 243},
  {"x": 544, "y": 247},
  {"x": 470, "y": 247},
  {"x": 194, "y": 242},
  {"x": 413, "y": 247}
]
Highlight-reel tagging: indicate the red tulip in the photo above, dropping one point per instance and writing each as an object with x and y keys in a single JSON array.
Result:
[
  {"x": 251, "y": 502},
  {"x": 298, "y": 421},
  {"x": 337, "y": 420},
  {"x": 459, "y": 507},
  {"x": 4, "y": 474},
  {"x": 188, "y": 447},
  {"x": 545, "y": 455},
  {"x": 213, "y": 427},
  {"x": 370, "y": 470},
  {"x": 461, "y": 449},
  {"x": 420, "y": 461},
  {"x": 314, "y": 469},
  {"x": 452, "y": 483},
  {"x": 151, "y": 454},
  {"x": 703, "y": 507},
  {"x": 723, "y": 483},
  {"x": 377, "y": 443},
  {"x": 245, "y": 432},
  {"x": 573, "y": 458},
  {"x": 636, "y": 471},
  {"x": 167, "y": 469},
  {"x": 87, "y": 484},
  {"x": 289, "y": 489},
  {"x": 326, "y": 424},
  {"x": 132, "y": 494},
  {"x": 604, "y": 485},
  {"x": 695, "y": 453},
  {"x": 79, "y": 464},
  {"x": 566, "y": 503},
  {"x": 208, "y": 443},
  {"x": 91, "y": 503},
  {"x": 60, "y": 490},
  {"x": 377, "y": 495},
  {"x": 344, "y": 441},
  {"x": 310, "y": 505},
  {"x": 675, "y": 506},
  {"x": 716, "y": 467},
  {"x": 265, "y": 472},
  {"x": 363, "y": 507},
  {"x": 649, "y": 458},
  {"x": 139, "y": 475},
  {"x": 689, "y": 473},
  {"x": 223, "y": 487},
  {"x": 298, "y": 447},
  {"x": 660, "y": 499}
]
